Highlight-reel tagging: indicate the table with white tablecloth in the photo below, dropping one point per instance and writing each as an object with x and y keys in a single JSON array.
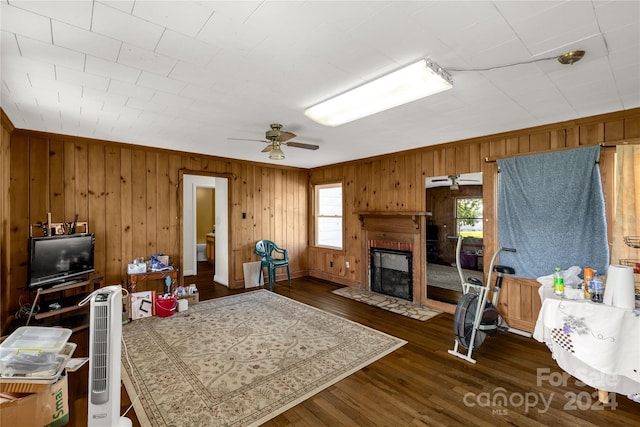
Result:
[{"x": 596, "y": 343}]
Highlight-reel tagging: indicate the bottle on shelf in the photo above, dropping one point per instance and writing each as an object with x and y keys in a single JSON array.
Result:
[{"x": 558, "y": 283}]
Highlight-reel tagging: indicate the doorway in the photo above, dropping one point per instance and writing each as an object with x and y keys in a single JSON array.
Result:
[
  {"x": 219, "y": 187},
  {"x": 455, "y": 204}
]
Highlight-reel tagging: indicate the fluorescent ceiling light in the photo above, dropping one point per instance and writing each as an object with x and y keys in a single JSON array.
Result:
[{"x": 407, "y": 84}]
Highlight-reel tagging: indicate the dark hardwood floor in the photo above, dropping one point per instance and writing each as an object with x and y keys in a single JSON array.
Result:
[{"x": 421, "y": 384}]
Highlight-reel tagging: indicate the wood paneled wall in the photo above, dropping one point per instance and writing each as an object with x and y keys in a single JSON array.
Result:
[
  {"x": 131, "y": 198},
  {"x": 6, "y": 127},
  {"x": 129, "y": 195},
  {"x": 396, "y": 182}
]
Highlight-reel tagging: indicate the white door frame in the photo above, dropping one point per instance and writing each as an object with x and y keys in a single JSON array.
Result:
[{"x": 190, "y": 183}]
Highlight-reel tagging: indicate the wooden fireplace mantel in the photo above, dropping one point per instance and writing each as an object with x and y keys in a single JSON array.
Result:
[{"x": 413, "y": 216}]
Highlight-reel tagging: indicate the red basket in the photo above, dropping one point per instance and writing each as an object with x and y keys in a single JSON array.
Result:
[{"x": 166, "y": 306}]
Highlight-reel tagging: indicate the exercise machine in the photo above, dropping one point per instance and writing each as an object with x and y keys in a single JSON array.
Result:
[{"x": 476, "y": 317}]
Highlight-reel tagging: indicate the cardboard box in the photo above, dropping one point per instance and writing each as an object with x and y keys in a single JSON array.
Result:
[
  {"x": 192, "y": 299},
  {"x": 126, "y": 309},
  {"x": 143, "y": 304},
  {"x": 47, "y": 408},
  {"x": 183, "y": 305}
]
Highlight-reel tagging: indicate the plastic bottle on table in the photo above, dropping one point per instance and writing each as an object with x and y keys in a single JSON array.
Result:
[
  {"x": 588, "y": 277},
  {"x": 596, "y": 288},
  {"x": 558, "y": 283}
]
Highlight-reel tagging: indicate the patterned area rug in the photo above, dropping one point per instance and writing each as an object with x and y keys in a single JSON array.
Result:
[
  {"x": 241, "y": 360},
  {"x": 395, "y": 305}
]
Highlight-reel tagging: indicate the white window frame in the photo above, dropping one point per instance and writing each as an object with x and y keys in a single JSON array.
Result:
[
  {"x": 318, "y": 216},
  {"x": 458, "y": 219}
]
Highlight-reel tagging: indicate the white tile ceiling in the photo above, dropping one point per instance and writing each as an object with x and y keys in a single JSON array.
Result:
[{"x": 188, "y": 75}]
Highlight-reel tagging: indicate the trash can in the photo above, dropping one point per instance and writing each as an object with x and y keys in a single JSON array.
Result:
[
  {"x": 252, "y": 273},
  {"x": 468, "y": 261}
]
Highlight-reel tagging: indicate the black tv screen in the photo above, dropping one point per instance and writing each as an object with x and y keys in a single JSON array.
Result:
[{"x": 57, "y": 259}]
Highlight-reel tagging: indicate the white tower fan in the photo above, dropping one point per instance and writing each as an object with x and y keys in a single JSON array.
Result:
[{"x": 105, "y": 333}]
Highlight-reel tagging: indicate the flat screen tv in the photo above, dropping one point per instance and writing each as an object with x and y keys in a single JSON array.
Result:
[{"x": 58, "y": 259}]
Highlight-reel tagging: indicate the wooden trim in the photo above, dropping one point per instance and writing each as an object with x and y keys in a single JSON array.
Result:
[
  {"x": 333, "y": 278},
  {"x": 183, "y": 171},
  {"x": 392, "y": 213},
  {"x": 443, "y": 306},
  {"x": 414, "y": 216},
  {"x": 610, "y": 144},
  {"x": 6, "y": 122}
]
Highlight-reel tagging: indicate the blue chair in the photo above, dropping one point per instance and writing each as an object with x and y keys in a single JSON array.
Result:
[{"x": 273, "y": 258}]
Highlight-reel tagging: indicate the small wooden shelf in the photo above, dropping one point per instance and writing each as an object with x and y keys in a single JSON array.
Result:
[
  {"x": 72, "y": 285},
  {"x": 134, "y": 279},
  {"x": 81, "y": 327},
  {"x": 57, "y": 312},
  {"x": 77, "y": 321},
  {"x": 70, "y": 314}
]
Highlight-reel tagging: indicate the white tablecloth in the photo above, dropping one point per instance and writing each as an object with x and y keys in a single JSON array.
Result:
[{"x": 596, "y": 343}]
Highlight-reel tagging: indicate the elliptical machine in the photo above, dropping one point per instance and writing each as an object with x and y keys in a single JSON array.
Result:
[{"x": 475, "y": 317}]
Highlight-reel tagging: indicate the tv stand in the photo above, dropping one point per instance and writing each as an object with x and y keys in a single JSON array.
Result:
[
  {"x": 67, "y": 283},
  {"x": 69, "y": 315}
]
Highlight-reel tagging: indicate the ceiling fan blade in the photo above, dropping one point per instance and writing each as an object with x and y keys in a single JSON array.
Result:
[
  {"x": 439, "y": 180},
  {"x": 245, "y": 139},
  {"x": 267, "y": 148},
  {"x": 302, "y": 145},
  {"x": 285, "y": 136}
]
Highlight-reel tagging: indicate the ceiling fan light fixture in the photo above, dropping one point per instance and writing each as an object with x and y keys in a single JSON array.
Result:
[
  {"x": 413, "y": 82},
  {"x": 276, "y": 154},
  {"x": 454, "y": 182}
]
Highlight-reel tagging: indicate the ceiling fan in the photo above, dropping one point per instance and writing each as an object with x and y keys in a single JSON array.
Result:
[
  {"x": 454, "y": 181},
  {"x": 276, "y": 137}
]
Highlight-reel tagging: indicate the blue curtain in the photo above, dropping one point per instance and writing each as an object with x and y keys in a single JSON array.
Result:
[{"x": 551, "y": 210}]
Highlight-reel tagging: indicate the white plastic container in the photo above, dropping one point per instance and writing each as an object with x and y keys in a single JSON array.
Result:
[{"x": 32, "y": 349}]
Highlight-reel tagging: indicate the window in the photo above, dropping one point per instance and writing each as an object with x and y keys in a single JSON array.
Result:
[
  {"x": 328, "y": 198},
  {"x": 469, "y": 216}
]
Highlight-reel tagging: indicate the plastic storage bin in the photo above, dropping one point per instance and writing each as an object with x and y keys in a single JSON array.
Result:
[{"x": 32, "y": 349}]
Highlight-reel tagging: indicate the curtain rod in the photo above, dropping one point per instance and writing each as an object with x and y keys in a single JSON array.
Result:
[{"x": 612, "y": 144}]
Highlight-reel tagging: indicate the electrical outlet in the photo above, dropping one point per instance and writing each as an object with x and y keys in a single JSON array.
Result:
[{"x": 347, "y": 264}]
